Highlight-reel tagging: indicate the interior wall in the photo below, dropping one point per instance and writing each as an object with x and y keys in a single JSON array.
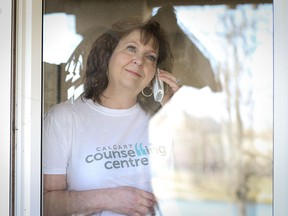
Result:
[{"x": 92, "y": 19}]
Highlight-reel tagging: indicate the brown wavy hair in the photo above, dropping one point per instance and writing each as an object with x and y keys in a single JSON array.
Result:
[{"x": 96, "y": 80}]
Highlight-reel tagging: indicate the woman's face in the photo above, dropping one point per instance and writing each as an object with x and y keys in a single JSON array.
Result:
[{"x": 132, "y": 65}]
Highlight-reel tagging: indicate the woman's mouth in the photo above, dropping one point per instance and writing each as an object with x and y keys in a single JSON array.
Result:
[{"x": 134, "y": 73}]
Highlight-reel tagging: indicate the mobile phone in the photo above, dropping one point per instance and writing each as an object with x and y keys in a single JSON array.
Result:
[{"x": 158, "y": 88}]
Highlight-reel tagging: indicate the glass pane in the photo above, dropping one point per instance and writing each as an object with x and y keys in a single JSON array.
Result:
[{"x": 211, "y": 147}]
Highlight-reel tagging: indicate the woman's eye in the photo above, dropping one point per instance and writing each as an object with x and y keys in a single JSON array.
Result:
[
  {"x": 151, "y": 58},
  {"x": 131, "y": 48}
]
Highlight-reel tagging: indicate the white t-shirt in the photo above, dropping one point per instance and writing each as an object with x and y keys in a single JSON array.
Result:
[{"x": 97, "y": 147}]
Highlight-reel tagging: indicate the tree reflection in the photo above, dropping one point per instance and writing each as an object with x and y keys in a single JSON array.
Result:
[{"x": 220, "y": 154}]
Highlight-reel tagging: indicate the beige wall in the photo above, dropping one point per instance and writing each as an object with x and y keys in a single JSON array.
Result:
[{"x": 93, "y": 17}]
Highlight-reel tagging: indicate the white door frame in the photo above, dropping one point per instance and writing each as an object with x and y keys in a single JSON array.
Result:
[
  {"x": 5, "y": 104},
  {"x": 28, "y": 107},
  {"x": 28, "y": 43},
  {"x": 280, "y": 177}
]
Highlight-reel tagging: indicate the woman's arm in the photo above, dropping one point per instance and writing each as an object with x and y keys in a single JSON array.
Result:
[
  {"x": 59, "y": 201},
  {"x": 123, "y": 200}
]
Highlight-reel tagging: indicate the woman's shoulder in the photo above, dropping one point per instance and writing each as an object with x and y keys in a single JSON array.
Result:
[
  {"x": 61, "y": 108},
  {"x": 64, "y": 109}
]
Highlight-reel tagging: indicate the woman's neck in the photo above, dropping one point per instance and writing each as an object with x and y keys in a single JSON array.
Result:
[{"x": 119, "y": 101}]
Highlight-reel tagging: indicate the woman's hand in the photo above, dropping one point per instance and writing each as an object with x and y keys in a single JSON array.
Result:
[
  {"x": 172, "y": 82},
  {"x": 130, "y": 201}
]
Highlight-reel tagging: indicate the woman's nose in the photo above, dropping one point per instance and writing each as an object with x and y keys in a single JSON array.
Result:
[{"x": 138, "y": 60}]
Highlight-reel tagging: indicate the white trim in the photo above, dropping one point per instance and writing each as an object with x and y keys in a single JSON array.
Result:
[
  {"x": 280, "y": 108},
  {"x": 28, "y": 107},
  {"x": 29, "y": 101},
  {"x": 5, "y": 103}
]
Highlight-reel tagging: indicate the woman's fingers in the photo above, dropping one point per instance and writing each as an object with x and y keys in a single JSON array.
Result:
[
  {"x": 134, "y": 201},
  {"x": 170, "y": 79},
  {"x": 173, "y": 83},
  {"x": 146, "y": 204}
]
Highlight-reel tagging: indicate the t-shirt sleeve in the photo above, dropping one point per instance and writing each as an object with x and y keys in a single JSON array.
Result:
[{"x": 56, "y": 145}]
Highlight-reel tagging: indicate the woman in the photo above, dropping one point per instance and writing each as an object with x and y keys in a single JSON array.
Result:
[{"x": 95, "y": 152}]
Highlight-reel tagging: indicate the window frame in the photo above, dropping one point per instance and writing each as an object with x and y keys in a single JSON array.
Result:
[
  {"x": 5, "y": 103},
  {"x": 28, "y": 89}
]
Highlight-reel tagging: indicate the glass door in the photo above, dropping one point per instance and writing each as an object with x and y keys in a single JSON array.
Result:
[
  {"x": 64, "y": 84},
  {"x": 223, "y": 115}
]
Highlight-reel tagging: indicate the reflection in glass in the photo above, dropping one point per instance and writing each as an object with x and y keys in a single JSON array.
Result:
[
  {"x": 222, "y": 134},
  {"x": 222, "y": 140}
]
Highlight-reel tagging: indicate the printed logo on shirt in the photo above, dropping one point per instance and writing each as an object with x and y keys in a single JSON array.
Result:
[{"x": 125, "y": 156}]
